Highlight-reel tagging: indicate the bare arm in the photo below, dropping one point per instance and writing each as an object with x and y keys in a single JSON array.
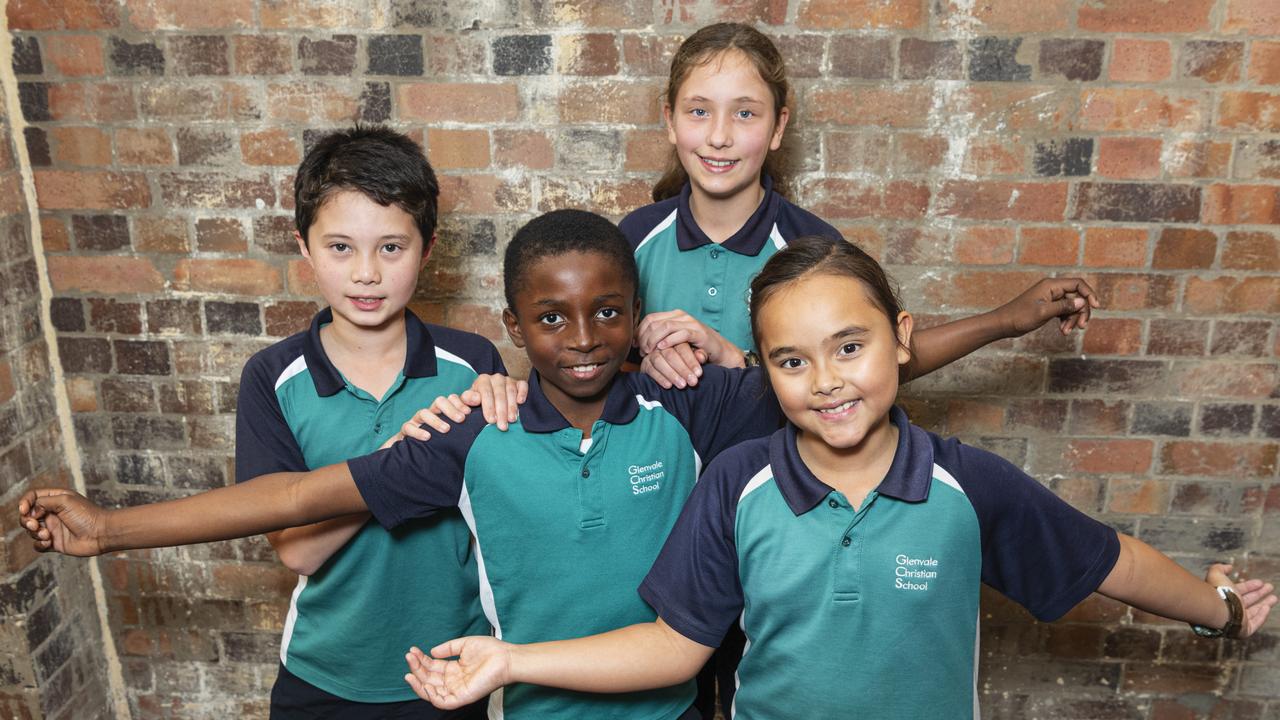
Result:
[
  {"x": 638, "y": 657},
  {"x": 304, "y": 549}
]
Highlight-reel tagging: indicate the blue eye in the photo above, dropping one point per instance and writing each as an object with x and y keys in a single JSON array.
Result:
[
  {"x": 698, "y": 112},
  {"x": 745, "y": 114}
]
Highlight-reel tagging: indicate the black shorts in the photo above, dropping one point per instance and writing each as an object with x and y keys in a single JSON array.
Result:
[{"x": 293, "y": 698}]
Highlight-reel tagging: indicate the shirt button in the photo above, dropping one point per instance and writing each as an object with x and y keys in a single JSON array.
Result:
[
  {"x": 846, "y": 542},
  {"x": 586, "y": 473},
  {"x": 377, "y": 428},
  {"x": 715, "y": 254},
  {"x": 711, "y": 291},
  {"x": 833, "y": 503}
]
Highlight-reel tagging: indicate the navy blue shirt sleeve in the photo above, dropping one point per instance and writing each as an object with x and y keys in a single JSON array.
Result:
[
  {"x": 415, "y": 478},
  {"x": 264, "y": 441},
  {"x": 694, "y": 585},
  {"x": 726, "y": 407},
  {"x": 1038, "y": 550}
]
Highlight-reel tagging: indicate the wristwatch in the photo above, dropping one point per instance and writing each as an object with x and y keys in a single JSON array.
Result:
[
  {"x": 751, "y": 359},
  {"x": 1236, "y": 621}
]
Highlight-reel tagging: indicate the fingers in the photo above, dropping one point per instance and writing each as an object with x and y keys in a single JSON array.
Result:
[
  {"x": 658, "y": 366},
  {"x": 686, "y": 361},
  {"x": 447, "y": 649}
]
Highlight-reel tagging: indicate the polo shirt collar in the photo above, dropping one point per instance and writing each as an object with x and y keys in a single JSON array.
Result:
[
  {"x": 419, "y": 361},
  {"x": 908, "y": 478},
  {"x": 749, "y": 239},
  {"x": 537, "y": 414}
]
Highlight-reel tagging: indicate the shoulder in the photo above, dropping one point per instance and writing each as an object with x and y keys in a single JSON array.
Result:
[
  {"x": 794, "y": 221},
  {"x": 272, "y": 366},
  {"x": 738, "y": 466},
  {"x": 472, "y": 351},
  {"x": 640, "y": 222}
]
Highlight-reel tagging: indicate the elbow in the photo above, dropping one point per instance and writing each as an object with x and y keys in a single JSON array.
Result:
[{"x": 298, "y": 562}]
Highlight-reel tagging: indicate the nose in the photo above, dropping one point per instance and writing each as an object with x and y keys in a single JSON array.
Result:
[
  {"x": 365, "y": 269},
  {"x": 825, "y": 380},
  {"x": 719, "y": 134},
  {"x": 584, "y": 338}
]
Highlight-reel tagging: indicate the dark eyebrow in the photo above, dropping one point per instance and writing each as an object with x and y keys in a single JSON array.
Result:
[{"x": 606, "y": 297}]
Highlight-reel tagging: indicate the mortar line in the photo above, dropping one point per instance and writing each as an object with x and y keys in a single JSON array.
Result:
[{"x": 70, "y": 446}]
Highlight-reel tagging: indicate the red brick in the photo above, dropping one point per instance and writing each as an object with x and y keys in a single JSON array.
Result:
[
  {"x": 1252, "y": 251},
  {"x": 464, "y": 102},
  {"x": 608, "y": 197},
  {"x": 67, "y": 190},
  {"x": 1189, "y": 457},
  {"x": 103, "y": 274},
  {"x": 1140, "y": 60},
  {"x": 1197, "y": 158},
  {"x": 75, "y": 55},
  {"x": 150, "y": 15},
  {"x": 215, "y": 190},
  {"x": 1212, "y": 61},
  {"x": 610, "y": 101},
  {"x": 96, "y": 102},
  {"x": 311, "y": 102},
  {"x": 850, "y": 198},
  {"x": 1049, "y": 246},
  {"x": 286, "y": 318},
  {"x": 144, "y": 146},
  {"x": 861, "y": 14},
  {"x": 270, "y": 147},
  {"x": 301, "y": 279},
  {"x": 234, "y": 276},
  {"x": 62, "y": 14},
  {"x": 1099, "y": 417},
  {"x": 646, "y": 150},
  {"x": 1126, "y": 291},
  {"x": 647, "y": 54},
  {"x": 262, "y": 54},
  {"x": 483, "y": 194},
  {"x": 974, "y": 416},
  {"x": 1133, "y": 109},
  {"x": 1233, "y": 295},
  {"x": 1184, "y": 249},
  {"x": 80, "y": 146},
  {"x": 897, "y": 107},
  {"x": 1129, "y": 157},
  {"x": 161, "y": 235},
  {"x": 1146, "y": 497},
  {"x": 531, "y": 149},
  {"x": 1249, "y": 111},
  {"x": 589, "y": 54},
  {"x": 999, "y": 108},
  {"x": 220, "y": 235},
  {"x": 592, "y": 13},
  {"x": 1264, "y": 62},
  {"x": 978, "y": 289},
  {"x": 918, "y": 154},
  {"x": 479, "y": 319},
  {"x": 57, "y": 238},
  {"x": 1253, "y": 17},
  {"x": 1007, "y": 16},
  {"x": 82, "y": 394},
  {"x": 1036, "y": 202},
  {"x": 454, "y": 149},
  {"x": 1146, "y": 16},
  {"x": 1242, "y": 205},
  {"x": 984, "y": 245},
  {"x": 864, "y": 151},
  {"x": 202, "y": 101},
  {"x": 294, "y": 14},
  {"x": 1110, "y": 456},
  {"x": 994, "y": 156},
  {"x": 1226, "y": 379},
  {"x": 1113, "y": 336}
]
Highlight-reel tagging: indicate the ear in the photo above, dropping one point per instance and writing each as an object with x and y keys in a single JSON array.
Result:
[
  {"x": 671, "y": 128},
  {"x": 302, "y": 245},
  {"x": 905, "y": 325},
  {"x": 428, "y": 244},
  {"x": 513, "y": 327},
  {"x": 783, "y": 116}
]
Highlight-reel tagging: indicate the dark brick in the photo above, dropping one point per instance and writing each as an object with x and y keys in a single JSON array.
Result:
[
  {"x": 67, "y": 314},
  {"x": 1099, "y": 417},
  {"x": 522, "y": 55},
  {"x": 250, "y": 647},
  {"x": 992, "y": 58},
  {"x": 1131, "y": 644},
  {"x": 263, "y": 55},
  {"x": 395, "y": 55},
  {"x": 1184, "y": 249},
  {"x": 1154, "y": 418},
  {"x": 26, "y": 56},
  {"x": 238, "y": 318},
  {"x": 199, "y": 55},
  {"x": 100, "y": 232},
  {"x": 181, "y": 317},
  {"x": 286, "y": 318},
  {"x": 861, "y": 57},
  {"x": 54, "y": 654},
  {"x": 1072, "y": 59},
  {"x": 148, "y": 432},
  {"x": 120, "y": 394},
  {"x": 144, "y": 58},
  {"x": 1137, "y": 202},
  {"x": 206, "y": 146},
  {"x": 1072, "y": 157},
  {"x": 1194, "y": 534},
  {"x": 1106, "y": 376},
  {"x": 33, "y": 98},
  {"x": 1242, "y": 337},
  {"x": 1269, "y": 421},
  {"x": 142, "y": 357},
  {"x": 186, "y": 397},
  {"x": 41, "y": 622},
  {"x": 1213, "y": 61},
  {"x": 197, "y": 472},
  {"x": 465, "y": 238},
  {"x": 220, "y": 235},
  {"x": 112, "y": 316},
  {"x": 335, "y": 56},
  {"x": 460, "y": 15},
  {"x": 1203, "y": 498},
  {"x": 375, "y": 102},
  {"x": 930, "y": 60},
  {"x": 1177, "y": 337},
  {"x": 1036, "y": 414},
  {"x": 37, "y": 146},
  {"x": 85, "y": 355},
  {"x": 1225, "y": 419},
  {"x": 274, "y": 234}
]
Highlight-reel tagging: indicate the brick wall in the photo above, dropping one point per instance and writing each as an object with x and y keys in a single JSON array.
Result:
[{"x": 972, "y": 145}]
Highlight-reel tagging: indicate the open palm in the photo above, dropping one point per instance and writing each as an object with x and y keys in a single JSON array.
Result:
[{"x": 482, "y": 665}]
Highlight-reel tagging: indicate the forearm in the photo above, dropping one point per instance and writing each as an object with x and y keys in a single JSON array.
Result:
[
  {"x": 1148, "y": 580},
  {"x": 638, "y": 657},
  {"x": 932, "y": 348},
  {"x": 304, "y": 549},
  {"x": 260, "y": 505}
]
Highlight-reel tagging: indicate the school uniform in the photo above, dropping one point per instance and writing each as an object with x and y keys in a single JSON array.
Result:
[
  {"x": 351, "y": 621},
  {"x": 870, "y": 611},
  {"x": 565, "y": 529},
  {"x": 682, "y": 269}
]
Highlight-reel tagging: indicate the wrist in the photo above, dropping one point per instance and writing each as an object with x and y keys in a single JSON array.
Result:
[{"x": 1229, "y": 617}]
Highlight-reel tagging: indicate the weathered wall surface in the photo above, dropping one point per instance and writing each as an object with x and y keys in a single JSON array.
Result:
[{"x": 973, "y": 145}]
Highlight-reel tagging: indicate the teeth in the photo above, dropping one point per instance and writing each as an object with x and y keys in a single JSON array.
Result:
[
  {"x": 585, "y": 368},
  {"x": 719, "y": 163},
  {"x": 838, "y": 409}
]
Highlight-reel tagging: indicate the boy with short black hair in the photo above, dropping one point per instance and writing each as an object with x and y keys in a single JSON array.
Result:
[{"x": 365, "y": 215}]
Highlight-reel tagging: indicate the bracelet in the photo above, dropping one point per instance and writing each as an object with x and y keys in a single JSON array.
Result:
[
  {"x": 1235, "y": 623},
  {"x": 751, "y": 359}
]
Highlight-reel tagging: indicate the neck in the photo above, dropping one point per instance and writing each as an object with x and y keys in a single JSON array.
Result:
[
  {"x": 343, "y": 338},
  {"x": 582, "y": 413},
  {"x": 720, "y": 218},
  {"x": 853, "y": 471}
]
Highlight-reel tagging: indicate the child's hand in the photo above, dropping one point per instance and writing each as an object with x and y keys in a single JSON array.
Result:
[
  {"x": 664, "y": 330},
  {"x": 62, "y": 521},
  {"x": 1071, "y": 300},
  {"x": 450, "y": 406},
  {"x": 499, "y": 398},
  {"x": 483, "y": 665},
  {"x": 678, "y": 366},
  {"x": 1258, "y": 597}
]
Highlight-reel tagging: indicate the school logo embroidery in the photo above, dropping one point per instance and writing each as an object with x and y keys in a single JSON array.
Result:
[
  {"x": 646, "y": 478},
  {"x": 914, "y": 574}
]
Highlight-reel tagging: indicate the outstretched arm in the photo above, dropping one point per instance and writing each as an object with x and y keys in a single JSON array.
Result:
[
  {"x": 66, "y": 522},
  {"x": 638, "y": 657},
  {"x": 1070, "y": 300},
  {"x": 1149, "y": 580}
]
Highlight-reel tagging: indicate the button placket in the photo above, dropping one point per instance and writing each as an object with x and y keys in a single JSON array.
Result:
[
  {"x": 590, "y": 492},
  {"x": 847, "y": 565}
]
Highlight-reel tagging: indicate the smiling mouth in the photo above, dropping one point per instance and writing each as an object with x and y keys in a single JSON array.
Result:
[
  {"x": 717, "y": 165},
  {"x": 585, "y": 371},
  {"x": 838, "y": 410},
  {"x": 366, "y": 303}
]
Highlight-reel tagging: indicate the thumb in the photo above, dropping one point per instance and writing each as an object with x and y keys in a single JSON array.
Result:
[
  {"x": 1065, "y": 306},
  {"x": 448, "y": 649}
]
